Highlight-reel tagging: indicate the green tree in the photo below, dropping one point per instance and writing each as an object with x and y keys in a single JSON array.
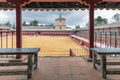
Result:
[
  {"x": 24, "y": 23},
  {"x": 100, "y": 21},
  {"x": 14, "y": 27},
  {"x": 116, "y": 17},
  {"x": 51, "y": 24},
  {"x": 34, "y": 23},
  {"x": 87, "y": 25},
  {"x": 7, "y": 24},
  {"x": 77, "y": 27}
]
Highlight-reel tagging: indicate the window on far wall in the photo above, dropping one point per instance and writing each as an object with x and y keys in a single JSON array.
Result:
[{"x": 60, "y": 28}]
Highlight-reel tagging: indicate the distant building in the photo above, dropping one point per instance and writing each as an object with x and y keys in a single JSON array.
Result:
[
  {"x": 60, "y": 23},
  {"x": 38, "y": 27},
  {"x": 5, "y": 28},
  {"x": 115, "y": 25}
]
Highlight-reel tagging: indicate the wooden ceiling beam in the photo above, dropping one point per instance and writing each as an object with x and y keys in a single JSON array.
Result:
[
  {"x": 16, "y": 3},
  {"x": 54, "y": 0},
  {"x": 111, "y": 0},
  {"x": 62, "y": 0}
]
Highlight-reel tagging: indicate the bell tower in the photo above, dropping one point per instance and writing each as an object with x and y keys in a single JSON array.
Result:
[{"x": 60, "y": 23}]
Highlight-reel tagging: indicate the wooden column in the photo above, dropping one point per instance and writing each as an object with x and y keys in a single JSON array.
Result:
[
  {"x": 18, "y": 5},
  {"x": 91, "y": 27},
  {"x": 18, "y": 29}
]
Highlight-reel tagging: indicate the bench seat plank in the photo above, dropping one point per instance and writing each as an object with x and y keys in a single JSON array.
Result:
[
  {"x": 14, "y": 72},
  {"x": 109, "y": 63},
  {"x": 113, "y": 71},
  {"x": 14, "y": 64}
]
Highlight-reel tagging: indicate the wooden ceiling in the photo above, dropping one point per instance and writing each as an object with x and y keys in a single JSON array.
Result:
[{"x": 60, "y": 5}]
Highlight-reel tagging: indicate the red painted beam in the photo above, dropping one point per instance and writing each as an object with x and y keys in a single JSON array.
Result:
[
  {"x": 18, "y": 3},
  {"x": 63, "y": 0},
  {"x": 55, "y": 0}
]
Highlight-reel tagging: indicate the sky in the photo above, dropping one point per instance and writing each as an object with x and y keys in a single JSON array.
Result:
[{"x": 73, "y": 17}]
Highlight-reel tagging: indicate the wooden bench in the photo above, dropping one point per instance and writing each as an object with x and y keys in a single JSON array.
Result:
[
  {"x": 102, "y": 63},
  {"x": 30, "y": 61}
]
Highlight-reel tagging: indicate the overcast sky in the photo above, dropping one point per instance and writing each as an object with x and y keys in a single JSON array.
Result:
[{"x": 73, "y": 18}]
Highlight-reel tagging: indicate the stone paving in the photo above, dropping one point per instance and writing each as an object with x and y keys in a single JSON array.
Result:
[{"x": 63, "y": 68}]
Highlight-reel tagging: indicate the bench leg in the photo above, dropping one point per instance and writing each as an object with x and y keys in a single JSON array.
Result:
[
  {"x": 35, "y": 61},
  {"x": 29, "y": 66},
  {"x": 103, "y": 65},
  {"x": 94, "y": 59}
]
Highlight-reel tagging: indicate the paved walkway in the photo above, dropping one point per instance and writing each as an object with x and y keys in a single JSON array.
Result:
[{"x": 62, "y": 68}]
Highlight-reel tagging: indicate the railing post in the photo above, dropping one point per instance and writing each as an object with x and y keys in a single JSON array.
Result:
[
  {"x": 70, "y": 52},
  {"x": 100, "y": 39},
  {"x": 95, "y": 37},
  {"x": 110, "y": 36},
  {"x": 6, "y": 39},
  {"x": 105, "y": 40},
  {"x": 12, "y": 38},
  {"x": 115, "y": 39},
  {"x": 1, "y": 38}
]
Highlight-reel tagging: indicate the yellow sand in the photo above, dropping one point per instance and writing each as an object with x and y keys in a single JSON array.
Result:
[{"x": 50, "y": 45}]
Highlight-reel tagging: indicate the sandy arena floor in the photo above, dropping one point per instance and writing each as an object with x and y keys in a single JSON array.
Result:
[{"x": 50, "y": 45}]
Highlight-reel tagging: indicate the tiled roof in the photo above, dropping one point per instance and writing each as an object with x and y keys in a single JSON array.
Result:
[
  {"x": 38, "y": 27},
  {"x": 115, "y": 24},
  {"x": 4, "y": 27}
]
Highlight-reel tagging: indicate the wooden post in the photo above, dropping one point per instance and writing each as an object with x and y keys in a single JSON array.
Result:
[
  {"x": 18, "y": 5},
  {"x": 18, "y": 29},
  {"x": 91, "y": 28}
]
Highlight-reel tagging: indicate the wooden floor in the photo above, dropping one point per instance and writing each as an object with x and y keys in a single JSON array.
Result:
[{"x": 63, "y": 68}]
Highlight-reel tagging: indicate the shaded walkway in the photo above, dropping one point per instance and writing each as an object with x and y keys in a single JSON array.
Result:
[
  {"x": 65, "y": 68},
  {"x": 62, "y": 68}
]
